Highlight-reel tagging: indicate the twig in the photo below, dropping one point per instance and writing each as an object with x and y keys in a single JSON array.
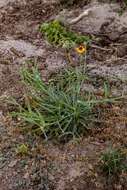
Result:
[
  {"x": 68, "y": 22},
  {"x": 116, "y": 59},
  {"x": 101, "y": 48},
  {"x": 77, "y": 19}
]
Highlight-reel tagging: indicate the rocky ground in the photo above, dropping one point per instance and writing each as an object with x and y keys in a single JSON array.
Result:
[{"x": 50, "y": 165}]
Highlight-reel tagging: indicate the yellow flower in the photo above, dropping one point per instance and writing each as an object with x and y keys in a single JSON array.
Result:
[{"x": 81, "y": 49}]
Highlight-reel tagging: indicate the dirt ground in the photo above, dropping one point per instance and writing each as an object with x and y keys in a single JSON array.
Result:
[{"x": 50, "y": 165}]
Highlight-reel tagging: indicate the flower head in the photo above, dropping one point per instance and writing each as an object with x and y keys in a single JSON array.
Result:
[{"x": 81, "y": 49}]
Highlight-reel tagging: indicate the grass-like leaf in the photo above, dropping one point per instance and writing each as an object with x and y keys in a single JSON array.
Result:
[{"x": 58, "y": 108}]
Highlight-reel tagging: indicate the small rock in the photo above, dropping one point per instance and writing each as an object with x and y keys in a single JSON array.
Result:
[
  {"x": 26, "y": 176},
  {"x": 12, "y": 163},
  {"x": 118, "y": 187}
]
